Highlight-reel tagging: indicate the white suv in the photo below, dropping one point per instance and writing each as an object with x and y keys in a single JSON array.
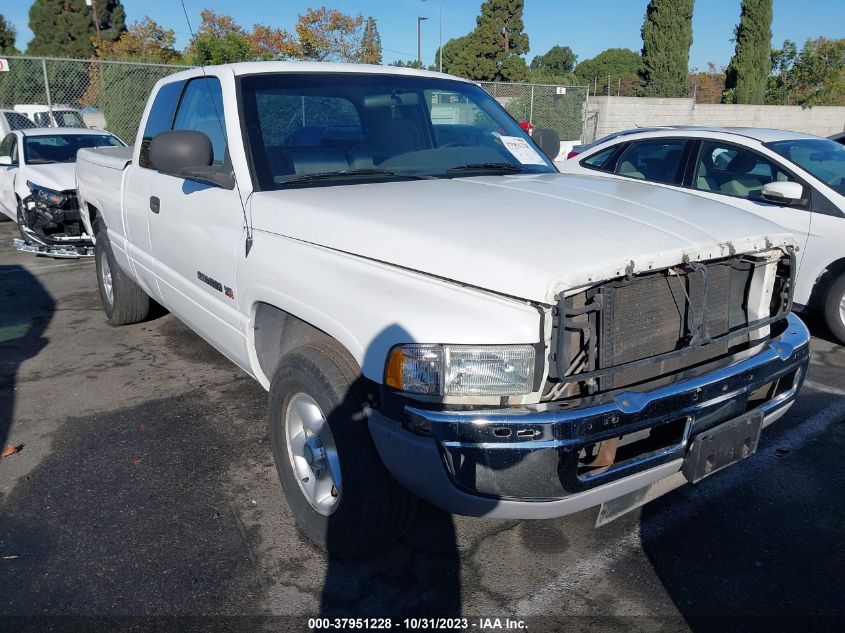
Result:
[{"x": 794, "y": 179}]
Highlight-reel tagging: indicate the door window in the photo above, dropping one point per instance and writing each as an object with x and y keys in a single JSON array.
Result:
[
  {"x": 657, "y": 161},
  {"x": 598, "y": 161},
  {"x": 201, "y": 109},
  {"x": 735, "y": 171},
  {"x": 160, "y": 118}
]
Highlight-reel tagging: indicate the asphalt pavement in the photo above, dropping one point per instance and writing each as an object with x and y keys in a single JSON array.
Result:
[{"x": 145, "y": 487}]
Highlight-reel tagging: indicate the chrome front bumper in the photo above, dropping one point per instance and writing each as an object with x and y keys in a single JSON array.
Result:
[{"x": 523, "y": 462}]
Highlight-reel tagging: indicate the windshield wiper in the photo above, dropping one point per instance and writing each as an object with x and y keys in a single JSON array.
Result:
[
  {"x": 497, "y": 167},
  {"x": 352, "y": 173}
]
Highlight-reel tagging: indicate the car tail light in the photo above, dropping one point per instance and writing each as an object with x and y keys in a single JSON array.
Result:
[{"x": 572, "y": 154}]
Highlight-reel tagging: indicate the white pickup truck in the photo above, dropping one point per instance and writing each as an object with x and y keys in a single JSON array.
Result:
[{"x": 435, "y": 311}]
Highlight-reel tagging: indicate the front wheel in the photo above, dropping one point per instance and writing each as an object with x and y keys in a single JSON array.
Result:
[
  {"x": 124, "y": 302},
  {"x": 834, "y": 308},
  {"x": 342, "y": 496}
]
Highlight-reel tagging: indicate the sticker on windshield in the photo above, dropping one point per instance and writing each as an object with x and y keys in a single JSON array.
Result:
[{"x": 522, "y": 151}]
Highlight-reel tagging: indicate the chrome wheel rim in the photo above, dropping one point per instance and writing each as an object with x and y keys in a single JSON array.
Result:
[
  {"x": 312, "y": 453},
  {"x": 105, "y": 276}
]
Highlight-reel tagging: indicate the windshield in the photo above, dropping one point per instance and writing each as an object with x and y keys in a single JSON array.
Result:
[
  {"x": 68, "y": 118},
  {"x": 823, "y": 158},
  {"x": 333, "y": 128},
  {"x": 62, "y": 148}
]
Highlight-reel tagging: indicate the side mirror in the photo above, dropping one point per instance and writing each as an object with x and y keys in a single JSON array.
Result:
[
  {"x": 188, "y": 154},
  {"x": 5, "y": 161},
  {"x": 784, "y": 193},
  {"x": 548, "y": 141}
]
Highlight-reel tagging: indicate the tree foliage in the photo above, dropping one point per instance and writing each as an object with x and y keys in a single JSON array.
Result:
[
  {"x": 319, "y": 35},
  {"x": 667, "y": 37},
  {"x": 749, "y": 69},
  {"x": 145, "y": 41},
  {"x": 615, "y": 62},
  {"x": 65, "y": 28},
  {"x": 494, "y": 50},
  {"x": 329, "y": 35},
  {"x": 7, "y": 38},
  {"x": 558, "y": 60},
  {"x": 371, "y": 43},
  {"x": 818, "y": 75}
]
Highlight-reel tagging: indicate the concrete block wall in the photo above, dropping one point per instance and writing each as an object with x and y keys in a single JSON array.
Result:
[{"x": 611, "y": 114}]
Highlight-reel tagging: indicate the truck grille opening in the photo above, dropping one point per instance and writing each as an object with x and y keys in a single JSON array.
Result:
[{"x": 628, "y": 331}]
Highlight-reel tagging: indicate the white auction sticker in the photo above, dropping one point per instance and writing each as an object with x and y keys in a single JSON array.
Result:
[{"x": 522, "y": 151}]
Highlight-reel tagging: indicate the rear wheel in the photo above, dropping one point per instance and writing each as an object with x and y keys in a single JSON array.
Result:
[
  {"x": 341, "y": 494},
  {"x": 123, "y": 300},
  {"x": 834, "y": 308}
]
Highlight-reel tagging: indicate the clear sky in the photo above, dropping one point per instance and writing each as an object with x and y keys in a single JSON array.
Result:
[{"x": 587, "y": 26}]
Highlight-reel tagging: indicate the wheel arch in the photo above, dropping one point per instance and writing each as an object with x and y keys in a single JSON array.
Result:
[{"x": 275, "y": 332}]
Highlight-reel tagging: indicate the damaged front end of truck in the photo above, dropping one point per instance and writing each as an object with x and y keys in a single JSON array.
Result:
[{"x": 50, "y": 224}]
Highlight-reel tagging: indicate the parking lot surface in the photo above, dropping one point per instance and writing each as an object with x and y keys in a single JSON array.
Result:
[{"x": 145, "y": 486}]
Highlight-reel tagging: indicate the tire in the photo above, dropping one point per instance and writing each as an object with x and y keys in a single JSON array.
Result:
[
  {"x": 123, "y": 300},
  {"x": 370, "y": 509},
  {"x": 834, "y": 308}
]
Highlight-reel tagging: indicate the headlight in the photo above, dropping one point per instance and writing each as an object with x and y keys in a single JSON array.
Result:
[
  {"x": 461, "y": 370},
  {"x": 47, "y": 196}
]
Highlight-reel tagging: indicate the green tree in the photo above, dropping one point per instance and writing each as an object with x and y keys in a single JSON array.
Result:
[
  {"x": 211, "y": 49},
  {"x": 751, "y": 64},
  {"x": 818, "y": 75},
  {"x": 558, "y": 60},
  {"x": 778, "y": 86},
  {"x": 613, "y": 62},
  {"x": 494, "y": 50},
  {"x": 7, "y": 38},
  {"x": 667, "y": 37},
  {"x": 371, "y": 43},
  {"x": 66, "y": 28}
]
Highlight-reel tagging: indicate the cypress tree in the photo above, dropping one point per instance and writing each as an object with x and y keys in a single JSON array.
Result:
[
  {"x": 667, "y": 37},
  {"x": 371, "y": 43},
  {"x": 65, "y": 28},
  {"x": 7, "y": 38},
  {"x": 751, "y": 64}
]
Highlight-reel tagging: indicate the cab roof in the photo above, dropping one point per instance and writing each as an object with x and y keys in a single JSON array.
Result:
[{"x": 253, "y": 68}]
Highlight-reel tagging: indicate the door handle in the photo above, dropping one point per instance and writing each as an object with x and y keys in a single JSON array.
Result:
[{"x": 155, "y": 204}]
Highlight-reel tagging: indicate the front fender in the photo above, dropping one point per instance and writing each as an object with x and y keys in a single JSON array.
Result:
[{"x": 369, "y": 306}]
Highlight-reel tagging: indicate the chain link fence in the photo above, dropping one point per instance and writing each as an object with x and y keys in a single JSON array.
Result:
[
  {"x": 110, "y": 95},
  {"x": 560, "y": 108}
]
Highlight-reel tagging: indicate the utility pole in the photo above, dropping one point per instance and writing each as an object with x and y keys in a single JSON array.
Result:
[{"x": 419, "y": 40}]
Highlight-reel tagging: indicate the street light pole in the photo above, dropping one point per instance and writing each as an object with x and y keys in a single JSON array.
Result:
[{"x": 419, "y": 40}]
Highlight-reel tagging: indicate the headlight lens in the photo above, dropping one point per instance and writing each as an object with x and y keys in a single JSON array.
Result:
[
  {"x": 47, "y": 196},
  {"x": 462, "y": 370}
]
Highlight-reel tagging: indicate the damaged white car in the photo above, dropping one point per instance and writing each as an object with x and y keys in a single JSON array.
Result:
[{"x": 38, "y": 187}]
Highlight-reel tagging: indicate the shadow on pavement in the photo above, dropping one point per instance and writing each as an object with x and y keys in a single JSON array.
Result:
[
  {"x": 762, "y": 541},
  {"x": 128, "y": 516},
  {"x": 26, "y": 309}
]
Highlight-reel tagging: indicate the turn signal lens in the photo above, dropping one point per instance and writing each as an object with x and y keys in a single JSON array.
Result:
[{"x": 415, "y": 368}]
